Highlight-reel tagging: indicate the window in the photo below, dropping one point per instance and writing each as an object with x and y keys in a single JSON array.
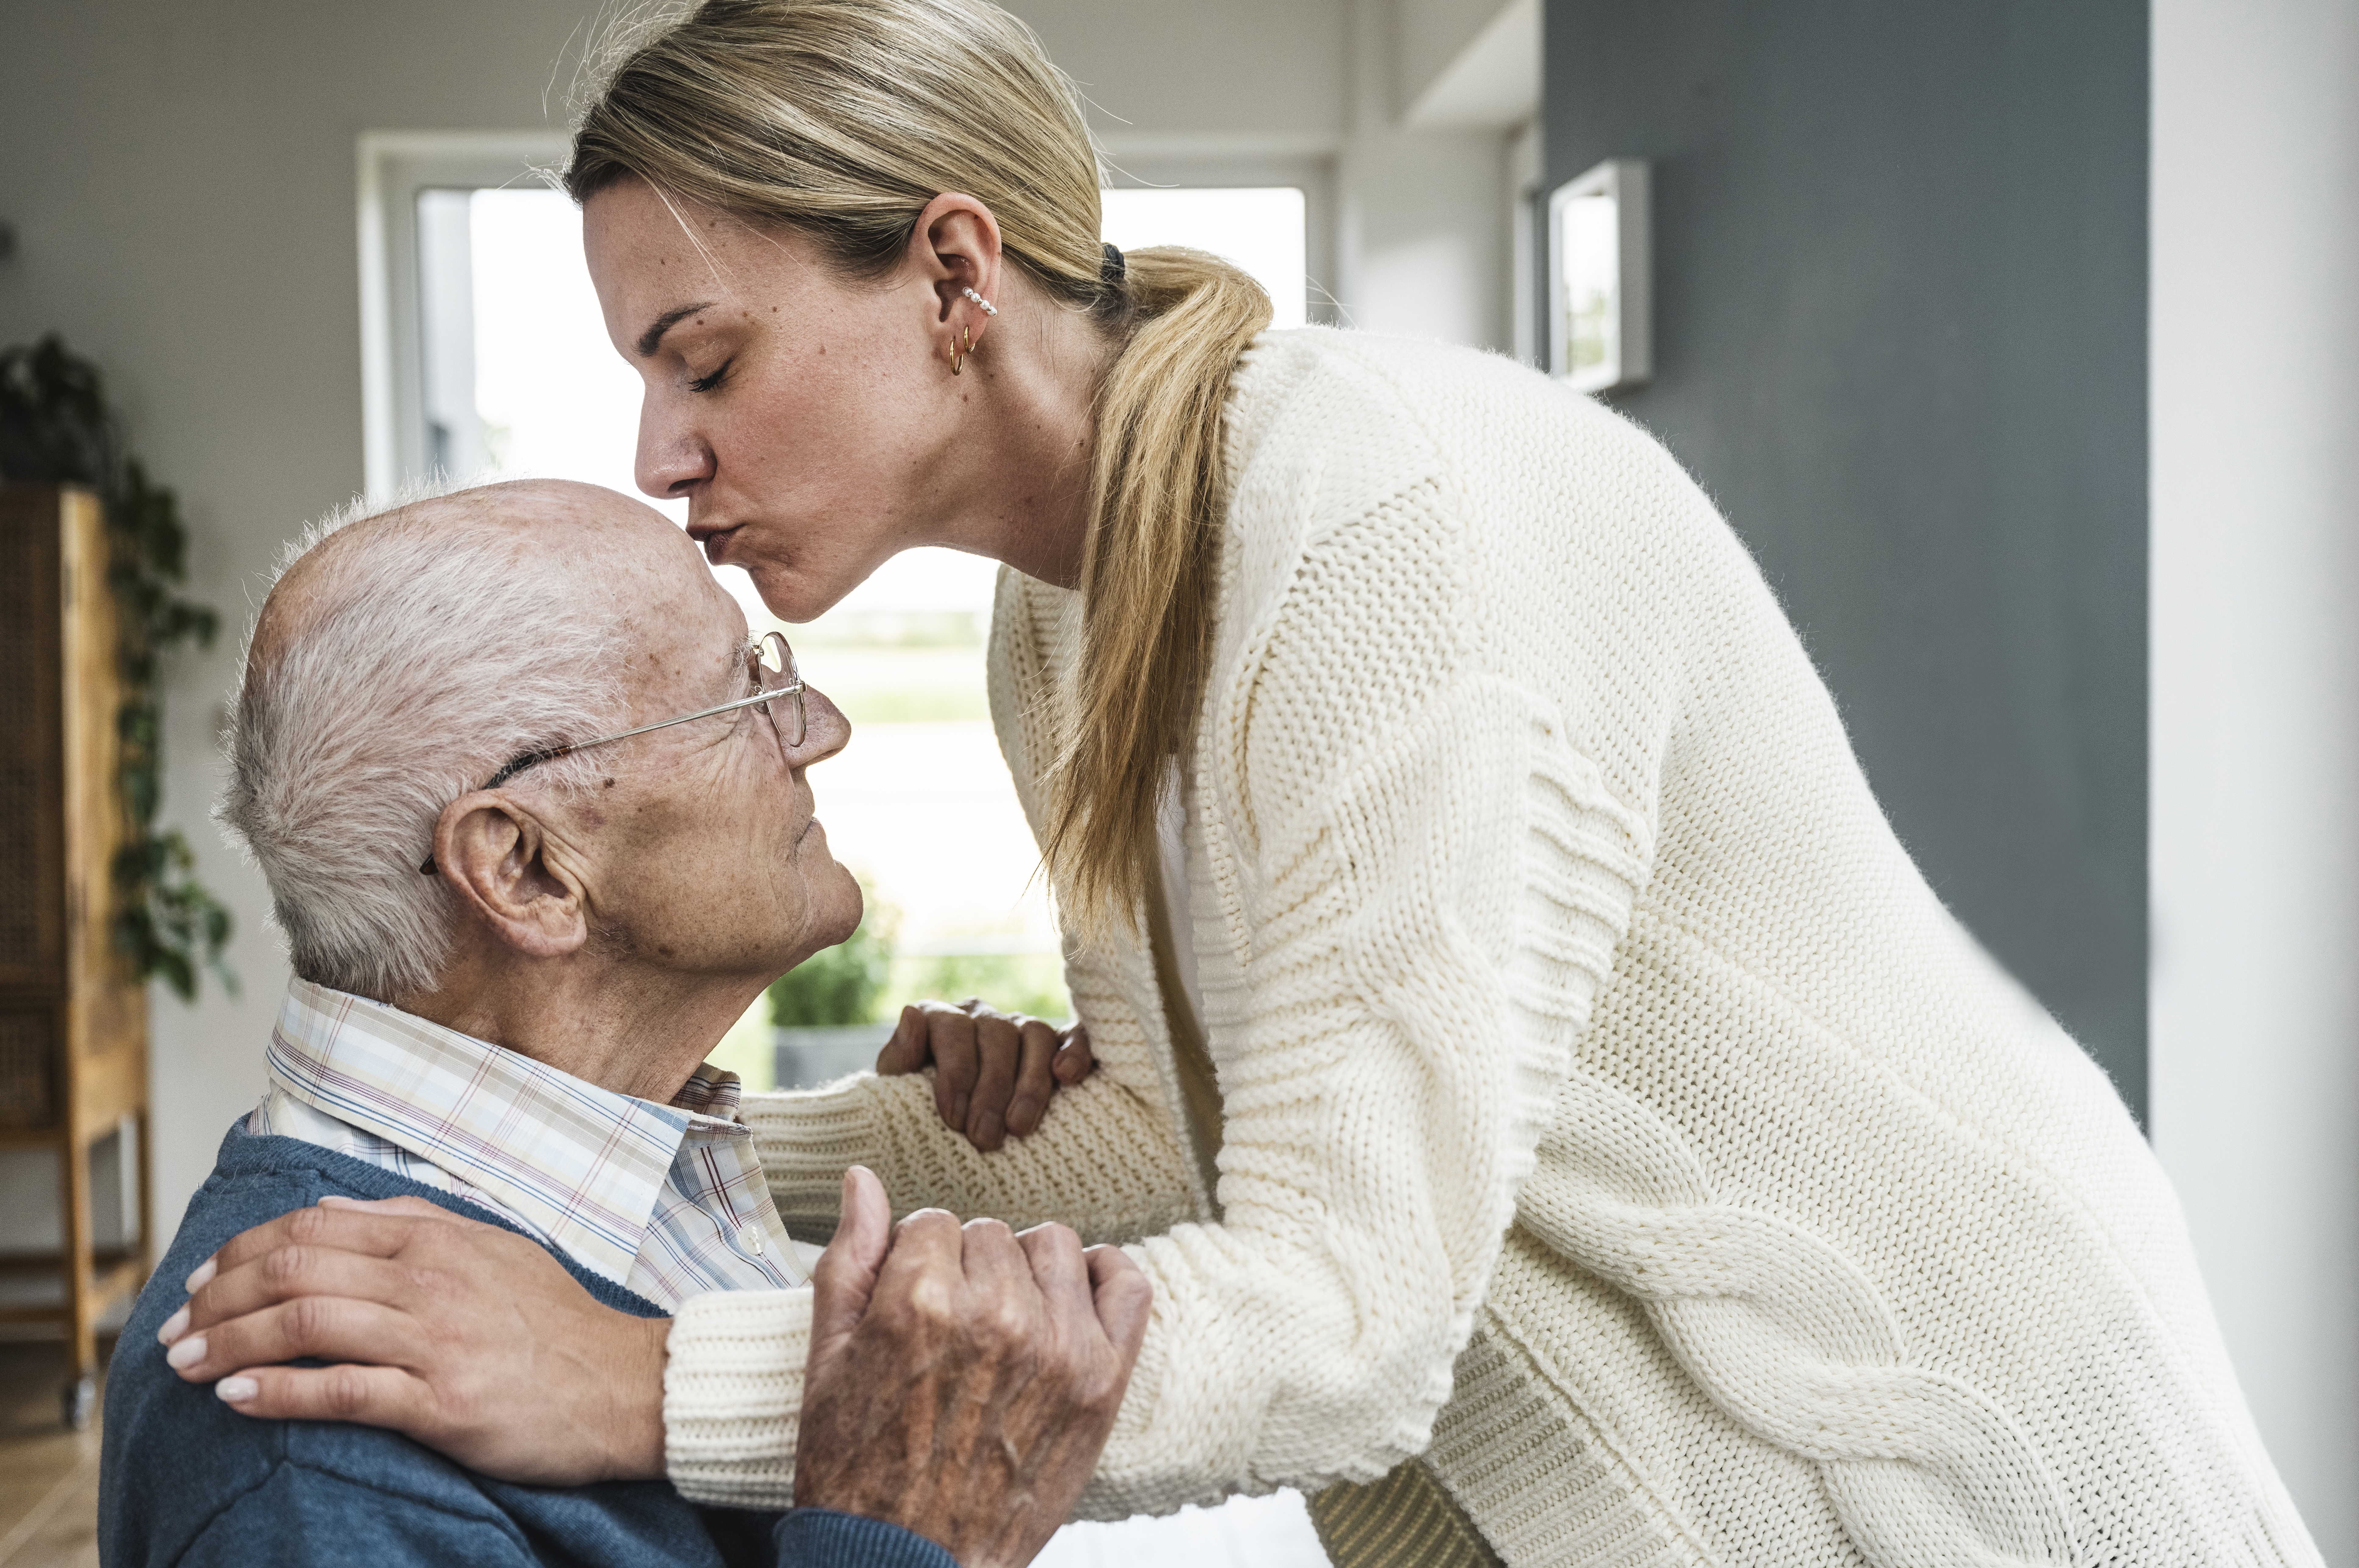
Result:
[
  {"x": 499, "y": 366},
  {"x": 1260, "y": 228}
]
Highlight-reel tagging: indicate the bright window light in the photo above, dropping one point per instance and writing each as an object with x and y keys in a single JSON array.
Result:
[{"x": 1259, "y": 228}]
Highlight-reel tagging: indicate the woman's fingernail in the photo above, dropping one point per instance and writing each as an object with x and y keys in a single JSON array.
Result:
[
  {"x": 236, "y": 1390},
  {"x": 174, "y": 1326},
  {"x": 199, "y": 1275},
  {"x": 186, "y": 1354}
]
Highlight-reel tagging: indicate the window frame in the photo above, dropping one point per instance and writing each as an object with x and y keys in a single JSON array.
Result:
[
  {"x": 1213, "y": 161},
  {"x": 395, "y": 167}
]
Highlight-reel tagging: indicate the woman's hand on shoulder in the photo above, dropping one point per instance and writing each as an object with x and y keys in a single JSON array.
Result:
[
  {"x": 469, "y": 1338},
  {"x": 995, "y": 1071}
]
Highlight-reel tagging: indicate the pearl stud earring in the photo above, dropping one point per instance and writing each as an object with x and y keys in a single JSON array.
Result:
[{"x": 988, "y": 307}]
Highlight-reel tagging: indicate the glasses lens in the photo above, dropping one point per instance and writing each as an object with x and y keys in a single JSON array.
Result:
[{"x": 775, "y": 669}]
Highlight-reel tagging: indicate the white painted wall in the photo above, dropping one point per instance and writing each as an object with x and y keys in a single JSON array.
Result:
[
  {"x": 181, "y": 178},
  {"x": 2256, "y": 704},
  {"x": 1423, "y": 214}
]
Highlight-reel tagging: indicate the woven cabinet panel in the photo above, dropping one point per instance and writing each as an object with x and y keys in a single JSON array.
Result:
[
  {"x": 32, "y": 827},
  {"x": 29, "y": 1066},
  {"x": 29, "y": 614}
]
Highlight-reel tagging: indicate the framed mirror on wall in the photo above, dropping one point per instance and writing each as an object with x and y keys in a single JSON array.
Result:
[{"x": 1601, "y": 327}]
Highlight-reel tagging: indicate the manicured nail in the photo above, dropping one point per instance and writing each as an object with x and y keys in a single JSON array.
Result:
[
  {"x": 236, "y": 1390},
  {"x": 174, "y": 1326},
  {"x": 186, "y": 1353},
  {"x": 198, "y": 1276}
]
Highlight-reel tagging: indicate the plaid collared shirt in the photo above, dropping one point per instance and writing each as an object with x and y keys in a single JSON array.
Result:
[{"x": 664, "y": 1200}]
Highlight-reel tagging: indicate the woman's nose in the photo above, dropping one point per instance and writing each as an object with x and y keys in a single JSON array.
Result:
[{"x": 671, "y": 458}]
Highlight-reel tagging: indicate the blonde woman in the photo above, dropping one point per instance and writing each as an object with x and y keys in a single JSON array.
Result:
[{"x": 1558, "y": 1121}]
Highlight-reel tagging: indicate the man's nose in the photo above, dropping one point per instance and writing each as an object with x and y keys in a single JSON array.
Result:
[{"x": 825, "y": 729}]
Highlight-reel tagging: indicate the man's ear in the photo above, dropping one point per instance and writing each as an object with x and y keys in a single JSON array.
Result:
[
  {"x": 954, "y": 246},
  {"x": 493, "y": 853}
]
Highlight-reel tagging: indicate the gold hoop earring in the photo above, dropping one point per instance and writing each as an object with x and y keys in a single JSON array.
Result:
[{"x": 954, "y": 352}]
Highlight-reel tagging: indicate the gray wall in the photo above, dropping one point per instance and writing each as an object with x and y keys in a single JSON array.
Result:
[{"x": 1900, "y": 330}]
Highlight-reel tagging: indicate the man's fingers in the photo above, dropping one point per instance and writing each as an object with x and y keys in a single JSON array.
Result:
[
  {"x": 1124, "y": 1297},
  {"x": 1033, "y": 1082},
  {"x": 846, "y": 1274},
  {"x": 1003, "y": 1300},
  {"x": 284, "y": 1274},
  {"x": 998, "y": 1043},
  {"x": 950, "y": 1038},
  {"x": 380, "y": 1396},
  {"x": 323, "y": 1328},
  {"x": 1075, "y": 1060},
  {"x": 923, "y": 1268},
  {"x": 906, "y": 1052},
  {"x": 1062, "y": 1276}
]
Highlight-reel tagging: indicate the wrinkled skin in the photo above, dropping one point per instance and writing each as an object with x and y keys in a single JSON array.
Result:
[
  {"x": 962, "y": 1381},
  {"x": 993, "y": 1072}
]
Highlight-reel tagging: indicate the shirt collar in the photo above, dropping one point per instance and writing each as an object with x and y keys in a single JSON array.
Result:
[{"x": 582, "y": 1164}]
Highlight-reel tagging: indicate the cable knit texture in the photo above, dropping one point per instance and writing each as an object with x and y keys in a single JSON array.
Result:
[{"x": 1613, "y": 1114}]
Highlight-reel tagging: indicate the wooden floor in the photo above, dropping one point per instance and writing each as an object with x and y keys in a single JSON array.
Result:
[{"x": 48, "y": 1476}]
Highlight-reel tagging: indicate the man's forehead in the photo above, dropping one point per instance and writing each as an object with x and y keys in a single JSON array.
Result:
[{"x": 697, "y": 637}]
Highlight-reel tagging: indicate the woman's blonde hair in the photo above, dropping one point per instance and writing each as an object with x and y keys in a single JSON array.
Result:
[{"x": 842, "y": 119}]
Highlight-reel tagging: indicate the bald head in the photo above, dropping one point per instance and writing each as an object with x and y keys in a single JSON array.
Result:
[
  {"x": 552, "y": 529},
  {"x": 405, "y": 653}
]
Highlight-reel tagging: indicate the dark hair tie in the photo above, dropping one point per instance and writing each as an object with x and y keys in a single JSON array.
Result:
[{"x": 1113, "y": 269}]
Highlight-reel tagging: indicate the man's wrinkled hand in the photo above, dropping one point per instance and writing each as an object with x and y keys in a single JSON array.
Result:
[
  {"x": 467, "y": 1337},
  {"x": 963, "y": 1379},
  {"x": 994, "y": 1073}
]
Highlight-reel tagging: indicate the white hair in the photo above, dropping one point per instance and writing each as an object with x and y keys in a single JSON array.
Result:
[{"x": 429, "y": 650}]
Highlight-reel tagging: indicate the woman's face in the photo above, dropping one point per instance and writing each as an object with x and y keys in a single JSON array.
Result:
[{"x": 805, "y": 419}]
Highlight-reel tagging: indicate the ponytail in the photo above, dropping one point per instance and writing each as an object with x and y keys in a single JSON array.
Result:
[{"x": 1157, "y": 488}]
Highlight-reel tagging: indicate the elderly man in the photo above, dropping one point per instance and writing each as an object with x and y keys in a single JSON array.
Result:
[{"x": 536, "y": 822}]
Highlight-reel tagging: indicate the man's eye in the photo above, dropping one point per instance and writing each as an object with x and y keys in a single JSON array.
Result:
[{"x": 707, "y": 383}]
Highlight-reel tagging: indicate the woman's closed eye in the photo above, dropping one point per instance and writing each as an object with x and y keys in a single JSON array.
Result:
[{"x": 707, "y": 383}]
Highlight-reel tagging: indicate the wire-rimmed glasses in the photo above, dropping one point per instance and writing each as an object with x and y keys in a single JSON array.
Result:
[{"x": 769, "y": 664}]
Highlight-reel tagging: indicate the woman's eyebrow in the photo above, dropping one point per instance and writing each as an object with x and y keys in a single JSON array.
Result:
[{"x": 665, "y": 323}]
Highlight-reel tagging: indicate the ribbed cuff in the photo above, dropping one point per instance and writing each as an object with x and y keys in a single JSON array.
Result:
[
  {"x": 806, "y": 1141},
  {"x": 733, "y": 1396},
  {"x": 822, "y": 1538}
]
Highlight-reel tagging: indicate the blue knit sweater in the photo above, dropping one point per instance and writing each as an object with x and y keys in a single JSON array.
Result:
[{"x": 184, "y": 1479}]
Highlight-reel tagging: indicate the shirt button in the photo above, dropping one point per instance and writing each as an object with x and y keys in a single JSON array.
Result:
[{"x": 751, "y": 1235}]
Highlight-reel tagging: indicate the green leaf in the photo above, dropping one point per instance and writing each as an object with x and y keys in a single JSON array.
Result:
[{"x": 55, "y": 402}]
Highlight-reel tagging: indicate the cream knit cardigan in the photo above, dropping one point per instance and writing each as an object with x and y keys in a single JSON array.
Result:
[{"x": 1613, "y": 1117}]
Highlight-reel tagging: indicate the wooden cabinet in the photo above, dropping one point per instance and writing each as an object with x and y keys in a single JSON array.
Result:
[{"x": 73, "y": 1018}]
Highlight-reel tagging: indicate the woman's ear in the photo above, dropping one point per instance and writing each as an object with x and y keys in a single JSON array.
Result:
[
  {"x": 954, "y": 245},
  {"x": 493, "y": 853}
]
